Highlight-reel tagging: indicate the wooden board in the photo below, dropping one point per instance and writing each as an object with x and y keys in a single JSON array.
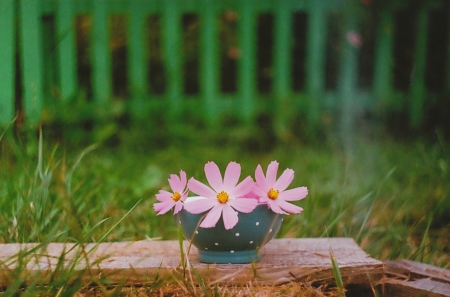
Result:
[
  {"x": 284, "y": 260},
  {"x": 409, "y": 278}
]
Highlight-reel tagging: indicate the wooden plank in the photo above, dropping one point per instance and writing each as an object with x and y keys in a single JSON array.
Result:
[
  {"x": 31, "y": 59},
  {"x": 409, "y": 278},
  {"x": 420, "y": 287},
  {"x": 284, "y": 260},
  {"x": 66, "y": 49},
  {"x": 415, "y": 270},
  {"x": 7, "y": 56}
]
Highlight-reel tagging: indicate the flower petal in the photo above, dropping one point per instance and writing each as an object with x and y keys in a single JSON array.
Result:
[
  {"x": 261, "y": 179},
  {"x": 243, "y": 188},
  {"x": 285, "y": 180},
  {"x": 178, "y": 207},
  {"x": 289, "y": 207},
  {"x": 294, "y": 194},
  {"x": 163, "y": 196},
  {"x": 163, "y": 207},
  {"x": 230, "y": 217},
  {"x": 213, "y": 176},
  {"x": 259, "y": 192},
  {"x": 244, "y": 205},
  {"x": 212, "y": 217},
  {"x": 201, "y": 189},
  {"x": 232, "y": 174},
  {"x": 200, "y": 205},
  {"x": 274, "y": 206},
  {"x": 271, "y": 174}
]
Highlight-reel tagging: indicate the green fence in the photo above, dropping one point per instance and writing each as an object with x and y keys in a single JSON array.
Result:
[{"x": 39, "y": 67}]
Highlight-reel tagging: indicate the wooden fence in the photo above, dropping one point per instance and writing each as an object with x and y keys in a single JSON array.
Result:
[{"x": 40, "y": 58}]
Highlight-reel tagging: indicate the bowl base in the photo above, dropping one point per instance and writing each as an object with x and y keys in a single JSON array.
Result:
[{"x": 231, "y": 257}]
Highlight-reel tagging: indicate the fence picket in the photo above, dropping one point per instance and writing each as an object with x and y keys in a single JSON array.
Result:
[
  {"x": 101, "y": 61},
  {"x": 172, "y": 58},
  {"x": 66, "y": 49},
  {"x": 383, "y": 57},
  {"x": 31, "y": 52},
  {"x": 418, "y": 75},
  {"x": 282, "y": 71},
  {"x": 36, "y": 20},
  {"x": 348, "y": 73},
  {"x": 247, "y": 75},
  {"x": 315, "y": 59},
  {"x": 137, "y": 63},
  {"x": 7, "y": 56},
  {"x": 209, "y": 62}
]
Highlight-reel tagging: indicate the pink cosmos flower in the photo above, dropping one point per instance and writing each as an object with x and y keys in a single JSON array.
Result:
[
  {"x": 169, "y": 200},
  {"x": 223, "y": 198},
  {"x": 273, "y": 192}
]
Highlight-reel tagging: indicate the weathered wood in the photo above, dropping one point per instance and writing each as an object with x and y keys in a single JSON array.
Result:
[
  {"x": 284, "y": 260},
  {"x": 420, "y": 287},
  {"x": 416, "y": 270},
  {"x": 409, "y": 278}
]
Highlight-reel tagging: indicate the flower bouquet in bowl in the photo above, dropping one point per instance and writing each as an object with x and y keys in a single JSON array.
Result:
[{"x": 230, "y": 221}]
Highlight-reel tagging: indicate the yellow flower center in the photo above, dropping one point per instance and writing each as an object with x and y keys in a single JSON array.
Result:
[
  {"x": 176, "y": 196},
  {"x": 273, "y": 194},
  {"x": 222, "y": 197}
]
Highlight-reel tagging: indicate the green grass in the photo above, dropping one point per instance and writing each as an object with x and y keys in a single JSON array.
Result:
[{"x": 392, "y": 197}]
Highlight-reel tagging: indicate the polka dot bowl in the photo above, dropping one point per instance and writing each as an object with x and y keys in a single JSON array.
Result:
[{"x": 241, "y": 244}]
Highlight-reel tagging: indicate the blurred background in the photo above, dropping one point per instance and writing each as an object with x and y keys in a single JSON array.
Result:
[{"x": 354, "y": 95}]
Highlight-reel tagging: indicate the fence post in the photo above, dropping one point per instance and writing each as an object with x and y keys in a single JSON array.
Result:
[
  {"x": 137, "y": 63},
  {"x": 282, "y": 77},
  {"x": 101, "y": 62},
  {"x": 418, "y": 77},
  {"x": 247, "y": 76},
  {"x": 7, "y": 56},
  {"x": 66, "y": 49},
  {"x": 31, "y": 58},
  {"x": 315, "y": 59},
  {"x": 209, "y": 62}
]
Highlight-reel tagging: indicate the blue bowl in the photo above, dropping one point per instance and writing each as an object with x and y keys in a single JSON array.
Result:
[{"x": 241, "y": 244}]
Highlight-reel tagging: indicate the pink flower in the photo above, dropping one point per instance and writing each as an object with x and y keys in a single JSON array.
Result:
[
  {"x": 273, "y": 192},
  {"x": 223, "y": 198},
  {"x": 175, "y": 199}
]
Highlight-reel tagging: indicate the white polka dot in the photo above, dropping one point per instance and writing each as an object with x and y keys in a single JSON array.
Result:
[
  {"x": 206, "y": 248},
  {"x": 237, "y": 234},
  {"x": 251, "y": 242},
  {"x": 179, "y": 222},
  {"x": 270, "y": 230},
  {"x": 196, "y": 232},
  {"x": 232, "y": 251},
  {"x": 257, "y": 223},
  {"x": 216, "y": 243}
]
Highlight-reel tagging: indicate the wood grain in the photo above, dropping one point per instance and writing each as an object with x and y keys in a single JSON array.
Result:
[
  {"x": 409, "y": 278},
  {"x": 284, "y": 260}
]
